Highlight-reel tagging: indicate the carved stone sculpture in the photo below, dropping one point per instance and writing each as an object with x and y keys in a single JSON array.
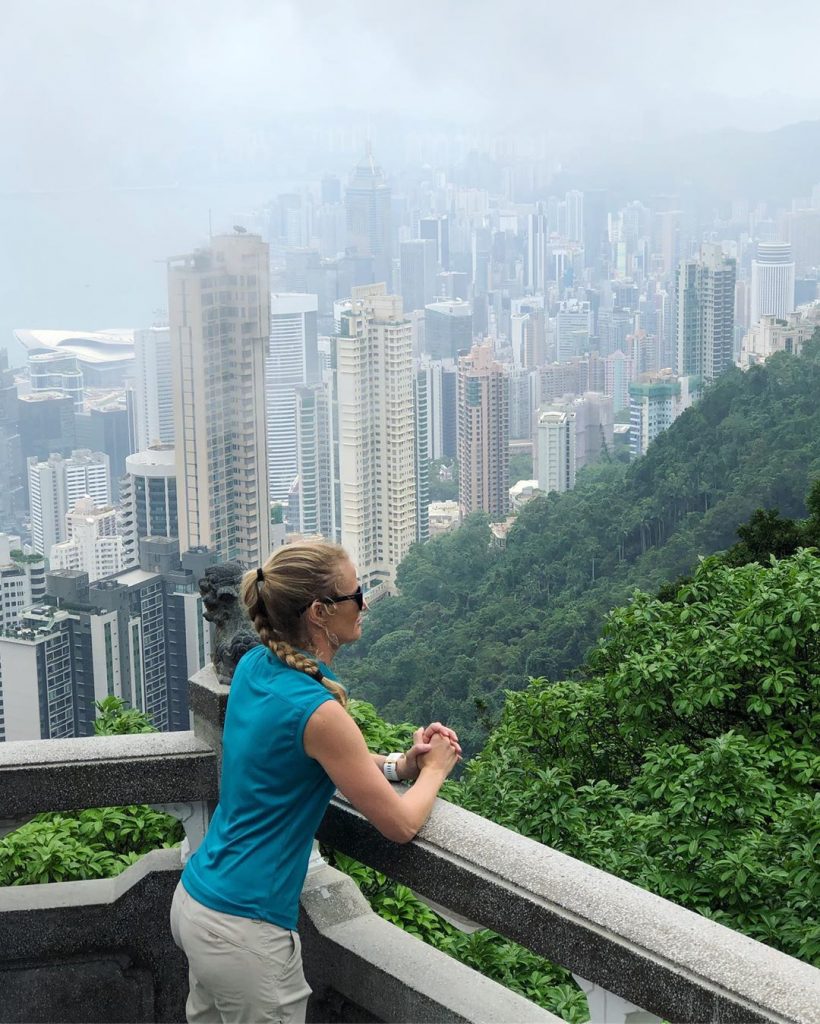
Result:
[{"x": 234, "y": 634}]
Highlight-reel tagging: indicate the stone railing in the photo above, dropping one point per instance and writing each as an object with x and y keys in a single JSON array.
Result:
[{"x": 104, "y": 948}]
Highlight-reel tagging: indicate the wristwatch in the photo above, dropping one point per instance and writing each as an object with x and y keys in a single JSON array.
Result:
[{"x": 390, "y": 767}]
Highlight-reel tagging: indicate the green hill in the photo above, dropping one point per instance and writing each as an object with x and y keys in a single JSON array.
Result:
[{"x": 473, "y": 621}]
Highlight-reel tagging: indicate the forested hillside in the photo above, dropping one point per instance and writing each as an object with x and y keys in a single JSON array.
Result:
[{"x": 473, "y": 621}]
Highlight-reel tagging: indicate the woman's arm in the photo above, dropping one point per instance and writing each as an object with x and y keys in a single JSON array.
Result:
[
  {"x": 407, "y": 766},
  {"x": 334, "y": 740}
]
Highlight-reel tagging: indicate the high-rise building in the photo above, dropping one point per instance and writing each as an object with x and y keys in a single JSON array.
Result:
[
  {"x": 421, "y": 429},
  {"x": 418, "y": 269},
  {"x": 15, "y": 582},
  {"x": 523, "y": 402},
  {"x": 369, "y": 223},
  {"x": 438, "y": 230},
  {"x": 594, "y": 427},
  {"x": 376, "y": 443},
  {"x": 57, "y": 371},
  {"x": 448, "y": 329},
  {"x": 772, "y": 292},
  {"x": 705, "y": 314},
  {"x": 315, "y": 462},
  {"x": 12, "y": 498},
  {"x": 575, "y": 215},
  {"x": 103, "y": 426},
  {"x": 595, "y": 216},
  {"x": 574, "y": 329},
  {"x": 149, "y": 498},
  {"x": 483, "y": 434},
  {"x": 442, "y": 408},
  {"x": 655, "y": 402},
  {"x": 293, "y": 361},
  {"x": 803, "y": 231},
  {"x": 56, "y": 485},
  {"x": 219, "y": 314},
  {"x": 535, "y": 264},
  {"x": 151, "y": 399},
  {"x": 46, "y": 426},
  {"x": 93, "y": 545},
  {"x": 555, "y": 450}
]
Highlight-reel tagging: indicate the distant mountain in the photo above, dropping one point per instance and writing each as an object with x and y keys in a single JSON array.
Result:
[{"x": 712, "y": 167}]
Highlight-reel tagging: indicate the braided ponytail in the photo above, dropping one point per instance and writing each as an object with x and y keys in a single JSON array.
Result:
[{"x": 275, "y": 596}]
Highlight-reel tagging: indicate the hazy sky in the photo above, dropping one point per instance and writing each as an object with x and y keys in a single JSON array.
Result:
[{"x": 78, "y": 76}]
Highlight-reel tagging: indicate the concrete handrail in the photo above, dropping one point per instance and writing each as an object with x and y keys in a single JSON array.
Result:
[{"x": 660, "y": 956}]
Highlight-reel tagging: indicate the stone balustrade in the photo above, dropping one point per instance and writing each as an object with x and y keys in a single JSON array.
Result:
[{"x": 102, "y": 950}]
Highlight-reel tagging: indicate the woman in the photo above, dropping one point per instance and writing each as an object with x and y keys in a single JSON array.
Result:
[{"x": 288, "y": 743}]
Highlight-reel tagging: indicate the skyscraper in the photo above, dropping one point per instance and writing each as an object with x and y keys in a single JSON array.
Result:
[
  {"x": 93, "y": 546},
  {"x": 448, "y": 329},
  {"x": 772, "y": 281},
  {"x": 483, "y": 434},
  {"x": 149, "y": 498},
  {"x": 575, "y": 215},
  {"x": 219, "y": 313},
  {"x": 555, "y": 450},
  {"x": 12, "y": 497},
  {"x": 56, "y": 485},
  {"x": 293, "y": 361},
  {"x": 151, "y": 400},
  {"x": 705, "y": 298},
  {"x": 376, "y": 443},
  {"x": 437, "y": 229},
  {"x": 417, "y": 262},
  {"x": 315, "y": 461},
  {"x": 369, "y": 227}
]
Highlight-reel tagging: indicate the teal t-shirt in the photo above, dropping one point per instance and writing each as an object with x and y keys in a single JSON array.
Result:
[{"x": 254, "y": 858}]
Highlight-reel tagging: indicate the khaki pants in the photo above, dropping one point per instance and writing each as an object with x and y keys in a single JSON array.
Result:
[{"x": 240, "y": 971}]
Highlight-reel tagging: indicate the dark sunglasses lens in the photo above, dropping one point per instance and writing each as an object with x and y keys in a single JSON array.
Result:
[{"x": 359, "y": 595}]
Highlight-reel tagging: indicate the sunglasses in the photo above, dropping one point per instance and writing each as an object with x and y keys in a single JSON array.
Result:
[{"x": 357, "y": 596}]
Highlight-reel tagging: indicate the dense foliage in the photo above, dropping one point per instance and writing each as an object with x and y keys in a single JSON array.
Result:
[
  {"x": 95, "y": 843},
  {"x": 494, "y": 956},
  {"x": 687, "y": 762},
  {"x": 474, "y": 621}
]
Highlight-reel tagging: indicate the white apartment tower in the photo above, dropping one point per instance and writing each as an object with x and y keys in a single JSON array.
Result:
[
  {"x": 314, "y": 461},
  {"x": 93, "y": 544},
  {"x": 376, "y": 444},
  {"x": 152, "y": 394},
  {"x": 219, "y": 314},
  {"x": 772, "y": 291},
  {"x": 293, "y": 361},
  {"x": 555, "y": 450},
  {"x": 56, "y": 485}
]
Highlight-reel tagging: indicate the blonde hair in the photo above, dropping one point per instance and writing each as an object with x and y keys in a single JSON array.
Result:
[{"x": 293, "y": 578}]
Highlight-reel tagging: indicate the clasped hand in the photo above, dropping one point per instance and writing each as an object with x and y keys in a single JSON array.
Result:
[{"x": 423, "y": 744}]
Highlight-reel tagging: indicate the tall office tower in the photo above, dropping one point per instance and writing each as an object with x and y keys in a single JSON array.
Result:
[
  {"x": 575, "y": 215},
  {"x": 452, "y": 284},
  {"x": 293, "y": 360},
  {"x": 149, "y": 498},
  {"x": 448, "y": 329},
  {"x": 574, "y": 328},
  {"x": 219, "y": 313},
  {"x": 705, "y": 303},
  {"x": 93, "y": 545},
  {"x": 595, "y": 214},
  {"x": 55, "y": 485},
  {"x": 369, "y": 218},
  {"x": 614, "y": 327},
  {"x": 442, "y": 407},
  {"x": 57, "y": 371},
  {"x": 46, "y": 425},
  {"x": 655, "y": 402},
  {"x": 668, "y": 241},
  {"x": 555, "y": 450},
  {"x": 421, "y": 430},
  {"x": 12, "y": 500},
  {"x": 103, "y": 426},
  {"x": 803, "y": 233},
  {"x": 482, "y": 246},
  {"x": 376, "y": 443},
  {"x": 523, "y": 401},
  {"x": 483, "y": 434},
  {"x": 417, "y": 269},
  {"x": 535, "y": 263},
  {"x": 331, "y": 189},
  {"x": 772, "y": 282},
  {"x": 151, "y": 399},
  {"x": 438, "y": 230},
  {"x": 315, "y": 461}
]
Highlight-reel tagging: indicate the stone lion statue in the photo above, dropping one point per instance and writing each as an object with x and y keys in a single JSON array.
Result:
[{"x": 234, "y": 634}]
